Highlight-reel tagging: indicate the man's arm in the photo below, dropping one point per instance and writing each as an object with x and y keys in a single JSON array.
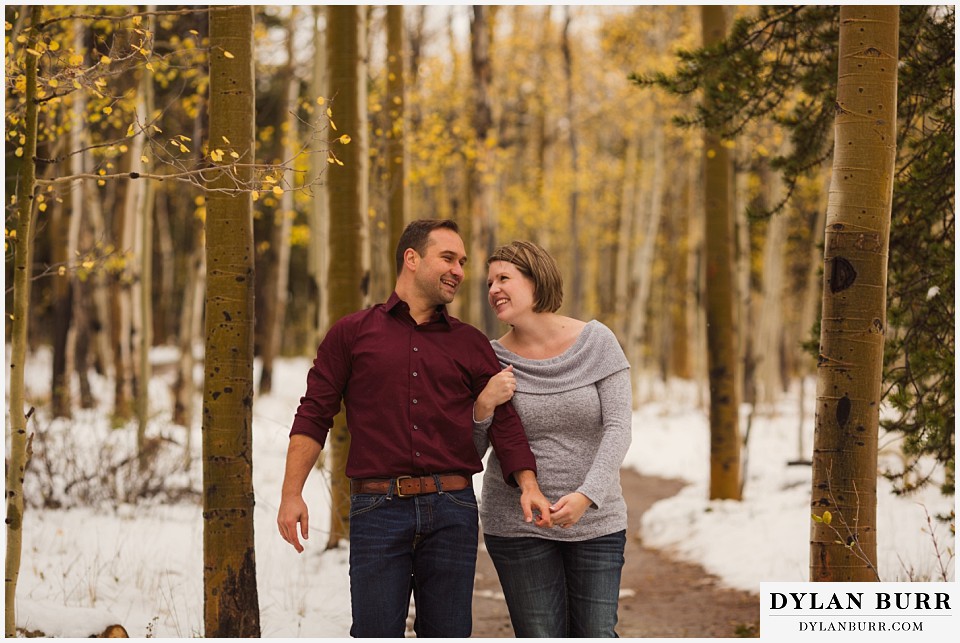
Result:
[
  {"x": 532, "y": 499},
  {"x": 302, "y": 454}
]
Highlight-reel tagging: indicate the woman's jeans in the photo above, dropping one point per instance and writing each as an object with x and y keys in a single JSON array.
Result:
[
  {"x": 560, "y": 589},
  {"x": 424, "y": 544}
]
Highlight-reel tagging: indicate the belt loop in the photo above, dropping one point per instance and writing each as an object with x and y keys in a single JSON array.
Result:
[
  {"x": 436, "y": 480},
  {"x": 393, "y": 487}
]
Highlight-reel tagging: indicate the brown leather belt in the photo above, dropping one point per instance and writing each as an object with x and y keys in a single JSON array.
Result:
[{"x": 410, "y": 485}]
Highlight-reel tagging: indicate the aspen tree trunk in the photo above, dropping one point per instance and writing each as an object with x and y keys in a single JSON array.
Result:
[
  {"x": 483, "y": 238},
  {"x": 648, "y": 213},
  {"x": 78, "y": 338},
  {"x": 229, "y": 565},
  {"x": 191, "y": 317},
  {"x": 720, "y": 298},
  {"x": 682, "y": 286},
  {"x": 768, "y": 374},
  {"x": 348, "y": 208},
  {"x": 59, "y": 223},
  {"x": 145, "y": 209},
  {"x": 853, "y": 318},
  {"x": 103, "y": 323},
  {"x": 396, "y": 112},
  {"x": 278, "y": 268},
  {"x": 576, "y": 281},
  {"x": 22, "y": 262},
  {"x": 622, "y": 274},
  {"x": 318, "y": 262}
]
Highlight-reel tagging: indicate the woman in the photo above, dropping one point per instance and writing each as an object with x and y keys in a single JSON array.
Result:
[{"x": 570, "y": 383}]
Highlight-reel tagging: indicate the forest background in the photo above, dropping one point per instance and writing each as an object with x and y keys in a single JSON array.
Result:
[{"x": 550, "y": 123}]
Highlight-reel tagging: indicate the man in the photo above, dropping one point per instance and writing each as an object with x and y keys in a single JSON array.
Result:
[{"x": 409, "y": 375}]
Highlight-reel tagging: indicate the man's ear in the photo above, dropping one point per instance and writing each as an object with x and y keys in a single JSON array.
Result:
[{"x": 411, "y": 259}]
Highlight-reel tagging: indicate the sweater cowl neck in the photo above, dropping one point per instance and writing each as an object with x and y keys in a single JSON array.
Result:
[{"x": 594, "y": 355}]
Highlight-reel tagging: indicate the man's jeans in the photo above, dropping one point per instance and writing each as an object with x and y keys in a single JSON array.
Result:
[
  {"x": 426, "y": 544},
  {"x": 560, "y": 589}
]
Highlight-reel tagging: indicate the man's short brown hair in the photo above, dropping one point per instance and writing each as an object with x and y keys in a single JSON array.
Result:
[
  {"x": 417, "y": 233},
  {"x": 537, "y": 264}
]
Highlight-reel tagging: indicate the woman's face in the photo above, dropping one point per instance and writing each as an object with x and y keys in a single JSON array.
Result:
[{"x": 509, "y": 292}]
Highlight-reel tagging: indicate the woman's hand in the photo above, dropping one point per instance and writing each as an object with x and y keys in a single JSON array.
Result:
[
  {"x": 499, "y": 389},
  {"x": 567, "y": 511}
]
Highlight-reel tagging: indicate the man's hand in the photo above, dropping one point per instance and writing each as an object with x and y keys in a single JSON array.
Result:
[
  {"x": 535, "y": 506},
  {"x": 567, "y": 511},
  {"x": 293, "y": 510},
  {"x": 302, "y": 453}
]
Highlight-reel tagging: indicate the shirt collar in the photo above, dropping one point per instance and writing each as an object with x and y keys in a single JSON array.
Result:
[{"x": 394, "y": 301}]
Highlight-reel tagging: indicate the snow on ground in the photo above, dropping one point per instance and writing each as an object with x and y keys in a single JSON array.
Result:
[{"x": 141, "y": 565}]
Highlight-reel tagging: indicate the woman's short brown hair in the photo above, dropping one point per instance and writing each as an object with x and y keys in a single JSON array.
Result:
[{"x": 537, "y": 264}]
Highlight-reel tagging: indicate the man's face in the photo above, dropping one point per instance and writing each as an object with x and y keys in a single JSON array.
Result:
[{"x": 440, "y": 270}]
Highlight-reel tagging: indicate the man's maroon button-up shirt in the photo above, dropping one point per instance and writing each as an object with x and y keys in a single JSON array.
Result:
[{"x": 409, "y": 392}]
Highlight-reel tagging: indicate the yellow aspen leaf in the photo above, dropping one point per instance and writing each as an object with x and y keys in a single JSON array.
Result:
[
  {"x": 330, "y": 160},
  {"x": 33, "y": 52},
  {"x": 144, "y": 159},
  {"x": 339, "y": 162},
  {"x": 150, "y": 66},
  {"x": 123, "y": 149},
  {"x": 88, "y": 264},
  {"x": 144, "y": 52},
  {"x": 42, "y": 207},
  {"x": 216, "y": 155},
  {"x": 7, "y": 26},
  {"x": 101, "y": 182},
  {"x": 101, "y": 171},
  {"x": 184, "y": 148},
  {"x": 19, "y": 152},
  {"x": 54, "y": 45},
  {"x": 269, "y": 179},
  {"x": 62, "y": 270},
  {"x": 76, "y": 84},
  {"x": 234, "y": 155},
  {"x": 157, "y": 129},
  {"x": 13, "y": 199},
  {"x": 321, "y": 100},
  {"x": 277, "y": 190},
  {"x": 255, "y": 195},
  {"x": 54, "y": 83},
  {"x": 105, "y": 60},
  {"x": 184, "y": 138},
  {"x": 108, "y": 110},
  {"x": 227, "y": 54},
  {"x": 194, "y": 32},
  {"x": 827, "y": 517},
  {"x": 130, "y": 130},
  {"x": 711, "y": 154},
  {"x": 40, "y": 198},
  {"x": 344, "y": 139},
  {"x": 12, "y": 234},
  {"x": 225, "y": 140},
  {"x": 75, "y": 60},
  {"x": 333, "y": 125}
]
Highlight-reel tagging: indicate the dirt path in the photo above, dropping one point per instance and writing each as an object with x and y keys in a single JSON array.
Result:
[{"x": 660, "y": 597}]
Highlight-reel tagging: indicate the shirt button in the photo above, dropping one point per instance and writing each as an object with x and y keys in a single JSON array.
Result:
[
  {"x": 418, "y": 454},
  {"x": 416, "y": 428},
  {"x": 414, "y": 373},
  {"x": 414, "y": 400},
  {"x": 415, "y": 349}
]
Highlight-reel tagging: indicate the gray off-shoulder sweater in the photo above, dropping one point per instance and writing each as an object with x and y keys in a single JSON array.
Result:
[{"x": 576, "y": 409}]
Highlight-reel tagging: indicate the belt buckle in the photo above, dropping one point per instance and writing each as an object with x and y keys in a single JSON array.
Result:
[{"x": 400, "y": 494}]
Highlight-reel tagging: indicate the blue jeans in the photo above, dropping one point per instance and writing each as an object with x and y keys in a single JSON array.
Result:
[
  {"x": 424, "y": 544},
  {"x": 560, "y": 589}
]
